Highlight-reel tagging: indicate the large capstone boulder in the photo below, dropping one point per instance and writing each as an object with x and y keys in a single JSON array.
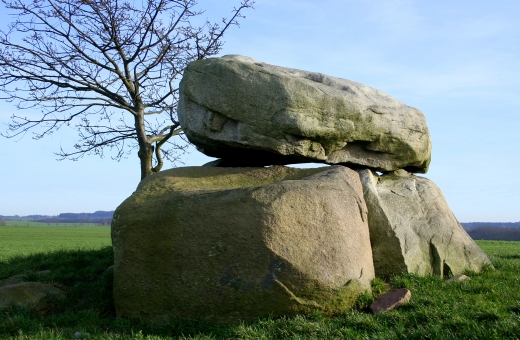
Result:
[
  {"x": 230, "y": 244},
  {"x": 251, "y": 113},
  {"x": 413, "y": 230}
]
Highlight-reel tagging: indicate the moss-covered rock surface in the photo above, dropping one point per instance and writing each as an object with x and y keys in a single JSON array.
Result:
[{"x": 231, "y": 244}]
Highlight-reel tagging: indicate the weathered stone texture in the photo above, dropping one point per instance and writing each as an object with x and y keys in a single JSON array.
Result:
[
  {"x": 412, "y": 228},
  {"x": 253, "y": 113},
  {"x": 391, "y": 300},
  {"x": 26, "y": 294},
  {"x": 230, "y": 244}
]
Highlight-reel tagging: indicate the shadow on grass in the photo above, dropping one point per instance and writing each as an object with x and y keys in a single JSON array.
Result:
[
  {"x": 508, "y": 256},
  {"x": 485, "y": 307},
  {"x": 86, "y": 276}
]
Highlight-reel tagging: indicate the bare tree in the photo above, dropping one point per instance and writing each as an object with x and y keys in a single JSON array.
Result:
[{"x": 108, "y": 68}]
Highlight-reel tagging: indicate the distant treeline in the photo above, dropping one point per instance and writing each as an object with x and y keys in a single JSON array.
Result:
[
  {"x": 495, "y": 233},
  {"x": 97, "y": 214},
  {"x": 75, "y": 220},
  {"x": 472, "y": 225},
  {"x": 99, "y": 217},
  {"x": 18, "y": 217}
]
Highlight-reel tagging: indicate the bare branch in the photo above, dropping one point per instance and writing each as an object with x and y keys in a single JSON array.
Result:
[{"x": 108, "y": 69}]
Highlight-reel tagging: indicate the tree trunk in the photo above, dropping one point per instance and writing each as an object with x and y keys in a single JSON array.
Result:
[
  {"x": 146, "y": 149},
  {"x": 145, "y": 154}
]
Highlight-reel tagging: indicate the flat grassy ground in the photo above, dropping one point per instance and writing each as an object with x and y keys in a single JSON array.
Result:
[
  {"x": 23, "y": 241},
  {"x": 500, "y": 249},
  {"x": 29, "y": 223},
  {"x": 486, "y": 307}
]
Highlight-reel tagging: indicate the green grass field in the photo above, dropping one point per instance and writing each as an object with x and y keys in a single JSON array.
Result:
[
  {"x": 30, "y": 223},
  {"x": 499, "y": 248},
  {"x": 23, "y": 241},
  {"x": 486, "y": 307}
]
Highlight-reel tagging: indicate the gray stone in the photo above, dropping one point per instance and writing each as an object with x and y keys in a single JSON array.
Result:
[
  {"x": 458, "y": 278},
  {"x": 255, "y": 114},
  {"x": 81, "y": 335},
  {"x": 12, "y": 280},
  {"x": 412, "y": 228},
  {"x": 391, "y": 300},
  {"x": 231, "y": 244},
  {"x": 20, "y": 278},
  {"x": 27, "y": 294}
]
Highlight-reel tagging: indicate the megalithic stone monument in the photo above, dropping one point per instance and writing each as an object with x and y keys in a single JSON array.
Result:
[{"x": 245, "y": 238}]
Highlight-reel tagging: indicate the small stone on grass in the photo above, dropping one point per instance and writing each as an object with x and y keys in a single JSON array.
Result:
[
  {"x": 81, "y": 335},
  {"x": 391, "y": 300},
  {"x": 458, "y": 278}
]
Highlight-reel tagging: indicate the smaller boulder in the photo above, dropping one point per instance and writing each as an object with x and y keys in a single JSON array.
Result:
[
  {"x": 20, "y": 278},
  {"x": 12, "y": 280},
  {"x": 27, "y": 294},
  {"x": 413, "y": 230},
  {"x": 391, "y": 300}
]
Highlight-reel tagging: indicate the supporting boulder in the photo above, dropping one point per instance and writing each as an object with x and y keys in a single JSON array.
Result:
[
  {"x": 413, "y": 230},
  {"x": 251, "y": 113},
  {"x": 231, "y": 244}
]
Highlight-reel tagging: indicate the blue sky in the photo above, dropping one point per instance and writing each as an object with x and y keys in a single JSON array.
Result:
[{"x": 457, "y": 61}]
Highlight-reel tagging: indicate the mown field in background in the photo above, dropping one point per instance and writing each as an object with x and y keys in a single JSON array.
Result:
[
  {"x": 30, "y": 223},
  {"x": 36, "y": 238},
  {"x": 500, "y": 249},
  {"x": 486, "y": 307}
]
